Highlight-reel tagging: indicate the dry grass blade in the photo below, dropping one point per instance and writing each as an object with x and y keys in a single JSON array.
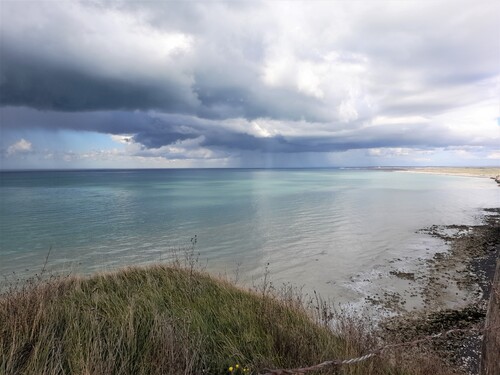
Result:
[{"x": 175, "y": 320}]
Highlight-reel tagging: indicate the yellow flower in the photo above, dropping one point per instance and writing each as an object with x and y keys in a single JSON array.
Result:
[
  {"x": 237, "y": 366},
  {"x": 231, "y": 369}
]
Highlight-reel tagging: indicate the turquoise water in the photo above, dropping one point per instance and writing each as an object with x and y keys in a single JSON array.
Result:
[{"x": 316, "y": 228}]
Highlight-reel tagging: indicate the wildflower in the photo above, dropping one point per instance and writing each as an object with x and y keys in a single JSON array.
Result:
[
  {"x": 237, "y": 366},
  {"x": 231, "y": 369}
]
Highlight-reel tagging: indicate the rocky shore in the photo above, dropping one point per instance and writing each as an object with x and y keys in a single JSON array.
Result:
[{"x": 460, "y": 278}]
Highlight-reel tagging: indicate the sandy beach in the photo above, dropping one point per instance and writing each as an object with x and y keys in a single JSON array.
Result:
[{"x": 482, "y": 172}]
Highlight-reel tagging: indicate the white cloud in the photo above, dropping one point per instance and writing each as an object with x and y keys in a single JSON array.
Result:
[
  {"x": 495, "y": 155},
  {"x": 187, "y": 149},
  {"x": 121, "y": 43},
  {"x": 465, "y": 154},
  {"x": 122, "y": 138},
  {"x": 398, "y": 120},
  {"x": 20, "y": 147},
  {"x": 477, "y": 122},
  {"x": 392, "y": 152}
]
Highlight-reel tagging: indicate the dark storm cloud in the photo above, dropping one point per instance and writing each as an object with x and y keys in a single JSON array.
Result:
[
  {"x": 28, "y": 81},
  {"x": 147, "y": 130},
  {"x": 68, "y": 67},
  {"x": 225, "y": 102},
  {"x": 153, "y": 132},
  {"x": 318, "y": 76}
]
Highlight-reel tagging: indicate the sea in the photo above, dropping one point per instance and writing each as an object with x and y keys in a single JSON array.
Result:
[{"x": 324, "y": 230}]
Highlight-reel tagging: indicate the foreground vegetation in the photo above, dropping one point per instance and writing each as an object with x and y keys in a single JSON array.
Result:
[{"x": 172, "y": 320}]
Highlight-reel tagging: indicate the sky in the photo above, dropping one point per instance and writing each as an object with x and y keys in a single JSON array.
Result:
[{"x": 173, "y": 84}]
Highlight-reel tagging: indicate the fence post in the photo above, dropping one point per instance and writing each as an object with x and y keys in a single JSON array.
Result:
[{"x": 490, "y": 356}]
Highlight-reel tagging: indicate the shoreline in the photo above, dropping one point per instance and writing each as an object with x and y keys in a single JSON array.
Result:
[
  {"x": 478, "y": 172},
  {"x": 467, "y": 270}
]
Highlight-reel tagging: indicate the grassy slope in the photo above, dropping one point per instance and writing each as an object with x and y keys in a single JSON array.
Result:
[{"x": 166, "y": 320}]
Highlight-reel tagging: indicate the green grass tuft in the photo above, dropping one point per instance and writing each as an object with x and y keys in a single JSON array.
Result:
[{"x": 167, "y": 320}]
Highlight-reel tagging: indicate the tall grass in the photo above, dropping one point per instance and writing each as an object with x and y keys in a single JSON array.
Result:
[{"x": 173, "y": 320}]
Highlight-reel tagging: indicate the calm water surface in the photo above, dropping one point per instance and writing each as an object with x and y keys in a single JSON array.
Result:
[{"x": 316, "y": 228}]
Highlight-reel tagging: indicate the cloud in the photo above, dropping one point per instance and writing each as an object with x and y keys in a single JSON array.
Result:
[
  {"x": 155, "y": 130},
  {"x": 20, "y": 147},
  {"x": 217, "y": 80},
  {"x": 495, "y": 155},
  {"x": 41, "y": 85}
]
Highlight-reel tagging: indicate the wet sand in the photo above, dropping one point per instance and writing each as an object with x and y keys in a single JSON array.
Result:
[{"x": 454, "y": 291}]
